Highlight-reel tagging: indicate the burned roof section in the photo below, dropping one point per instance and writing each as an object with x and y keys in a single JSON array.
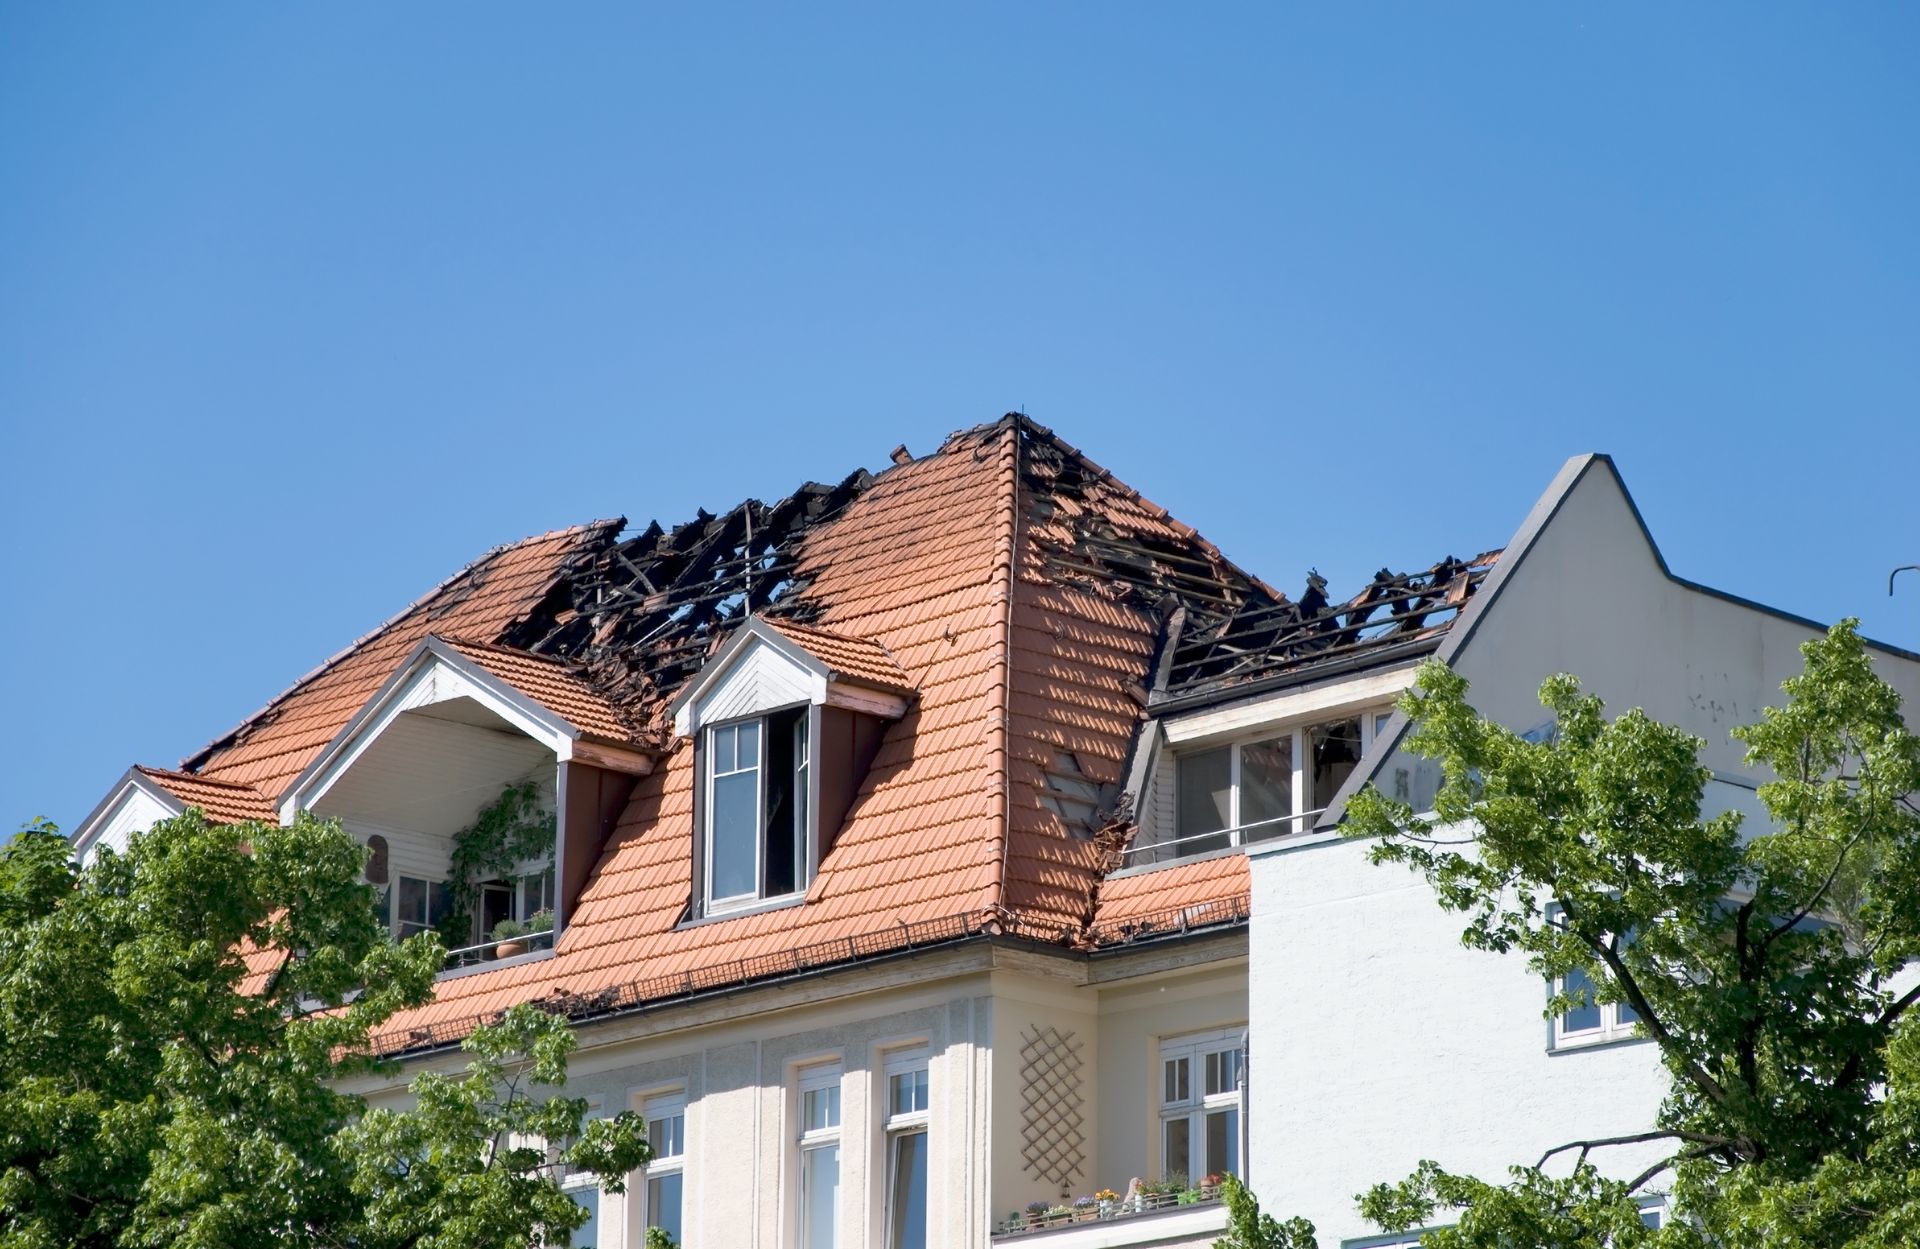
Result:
[
  {"x": 643, "y": 614},
  {"x": 1397, "y": 615}
]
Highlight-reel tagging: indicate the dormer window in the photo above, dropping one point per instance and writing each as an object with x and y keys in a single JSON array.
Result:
[
  {"x": 758, "y": 805},
  {"x": 785, "y": 720},
  {"x": 1212, "y": 795}
]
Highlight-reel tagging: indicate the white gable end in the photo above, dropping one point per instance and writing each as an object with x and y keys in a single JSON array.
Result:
[
  {"x": 760, "y": 678},
  {"x": 134, "y": 809}
]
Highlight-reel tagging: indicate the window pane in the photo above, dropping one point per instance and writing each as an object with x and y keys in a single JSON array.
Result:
[
  {"x": 1174, "y": 1157},
  {"x": 587, "y": 1199},
  {"x": 663, "y": 1203},
  {"x": 736, "y": 801},
  {"x": 909, "y": 1092},
  {"x": 1584, "y": 1018},
  {"x": 1223, "y": 1072},
  {"x": 1266, "y": 787},
  {"x": 907, "y": 1195},
  {"x": 1177, "y": 1087},
  {"x": 819, "y": 1194},
  {"x": 1204, "y": 790},
  {"x": 820, "y": 1109},
  {"x": 724, "y": 757},
  {"x": 667, "y": 1136},
  {"x": 1628, "y": 1015},
  {"x": 413, "y": 900},
  {"x": 748, "y": 739},
  {"x": 1333, "y": 750},
  {"x": 1223, "y": 1142}
]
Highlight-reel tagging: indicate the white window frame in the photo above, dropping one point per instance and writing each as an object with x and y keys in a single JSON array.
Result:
[
  {"x": 1194, "y": 1048},
  {"x": 818, "y": 1078},
  {"x": 1372, "y": 719},
  {"x": 911, "y": 1065},
  {"x": 805, "y": 732},
  {"x": 587, "y": 1181},
  {"x": 657, "y": 1107},
  {"x": 397, "y": 920},
  {"x": 1612, "y": 1027}
]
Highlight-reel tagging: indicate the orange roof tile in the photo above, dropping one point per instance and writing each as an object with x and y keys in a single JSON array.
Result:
[
  {"x": 224, "y": 802},
  {"x": 488, "y": 598},
  {"x": 554, "y": 684},
  {"x": 854, "y": 659},
  {"x": 1005, "y": 580}
]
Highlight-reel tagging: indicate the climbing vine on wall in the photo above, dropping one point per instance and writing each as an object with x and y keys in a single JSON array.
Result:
[{"x": 508, "y": 831}]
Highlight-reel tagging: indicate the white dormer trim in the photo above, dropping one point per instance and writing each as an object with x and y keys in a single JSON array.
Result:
[
  {"x": 758, "y": 670},
  {"x": 1324, "y": 700},
  {"x": 134, "y": 804},
  {"x": 436, "y": 673}
]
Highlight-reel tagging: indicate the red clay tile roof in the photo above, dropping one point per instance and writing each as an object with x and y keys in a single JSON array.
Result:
[
  {"x": 555, "y": 685},
  {"x": 224, "y": 802},
  {"x": 494, "y": 594},
  {"x": 948, "y": 832},
  {"x": 1013, "y": 585},
  {"x": 861, "y": 660}
]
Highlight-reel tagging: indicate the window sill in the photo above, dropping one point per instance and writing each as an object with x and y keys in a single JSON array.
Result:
[
  {"x": 756, "y": 908},
  {"x": 1581, "y": 1045}
]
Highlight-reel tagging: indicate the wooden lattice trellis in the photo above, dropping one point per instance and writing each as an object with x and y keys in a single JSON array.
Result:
[{"x": 1053, "y": 1139}]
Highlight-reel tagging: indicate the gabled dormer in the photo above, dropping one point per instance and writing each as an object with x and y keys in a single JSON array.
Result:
[
  {"x": 456, "y": 729},
  {"x": 144, "y": 796},
  {"x": 785, "y": 720}
]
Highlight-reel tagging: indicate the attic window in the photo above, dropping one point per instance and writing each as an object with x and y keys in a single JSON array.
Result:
[
  {"x": 1270, "y": 783},
  {"x": 758, "y": 802}
]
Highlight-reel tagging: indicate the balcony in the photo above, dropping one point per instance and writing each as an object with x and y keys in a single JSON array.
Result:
[
  {"x": 499, "y": 948},
  {"x": 1159, "y": 1220}
]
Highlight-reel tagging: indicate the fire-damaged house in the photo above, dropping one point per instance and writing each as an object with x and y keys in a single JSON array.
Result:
[{"x": 887, "y": 845}]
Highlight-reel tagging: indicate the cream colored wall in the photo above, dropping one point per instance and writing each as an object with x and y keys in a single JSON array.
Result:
[
  {"x": 1020, "y": 1003},
  {"x": 738, "y": 1080},
  {"x": 1133, "y": 1020}
]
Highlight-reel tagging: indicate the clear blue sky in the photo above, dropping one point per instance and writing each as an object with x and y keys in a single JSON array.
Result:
[{"x": 302, "y": 307}]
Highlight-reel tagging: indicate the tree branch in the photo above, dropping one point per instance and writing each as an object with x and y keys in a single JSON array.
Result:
[
  {"x": 1631, "y": 987},
  {"x": 1833, "y": 874}
]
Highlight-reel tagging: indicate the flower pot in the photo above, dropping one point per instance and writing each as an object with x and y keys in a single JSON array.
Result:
[{"x": 509, "y": 949}]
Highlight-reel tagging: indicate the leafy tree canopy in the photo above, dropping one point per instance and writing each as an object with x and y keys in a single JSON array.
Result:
[
  {"x": 1771, "y": 966},
  {"x": 175, "y": 1023}
]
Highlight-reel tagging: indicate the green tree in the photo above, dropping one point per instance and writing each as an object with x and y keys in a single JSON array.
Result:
[
  {"x": 1765, "y": 963},
  {"x": 175, "y": 1023},
  {"x": 1248, "y": 1228}
]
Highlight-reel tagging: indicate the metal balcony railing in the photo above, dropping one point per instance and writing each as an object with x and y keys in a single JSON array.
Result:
[
  {"x": 1167, "y": 850},
  {"x": 489, "y": 951}
]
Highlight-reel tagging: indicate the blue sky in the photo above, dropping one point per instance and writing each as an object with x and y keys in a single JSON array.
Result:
[{"x": 302, "y": 307}]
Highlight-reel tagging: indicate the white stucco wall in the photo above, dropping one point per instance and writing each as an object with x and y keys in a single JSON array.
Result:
[{"x": 1378, "y": 1040}]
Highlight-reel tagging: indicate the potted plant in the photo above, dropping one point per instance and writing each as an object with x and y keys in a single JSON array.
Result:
[
  {"x": 509, "y": 934},
  {"x": 1085, "y": 1209},
  {"x": 1058, "y": 1214},
  {"x": 1210, "y": 1186},
  {"x": 1107, "y": 1201},
  {"x": 1187, "y": 1197},
  {"x": 540, "y": 924},
  {"x": 1036, "y": 1214}
]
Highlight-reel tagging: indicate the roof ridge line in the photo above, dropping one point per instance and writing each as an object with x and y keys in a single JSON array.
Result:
[
  {"x": 331, "y": 661},
  {"x": 1005, "y": 579}
]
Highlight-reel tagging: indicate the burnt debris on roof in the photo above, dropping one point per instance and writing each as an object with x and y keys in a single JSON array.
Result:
[
  {"x": 643, "y": 614},
  {"x": 1395, "y": 615}
]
